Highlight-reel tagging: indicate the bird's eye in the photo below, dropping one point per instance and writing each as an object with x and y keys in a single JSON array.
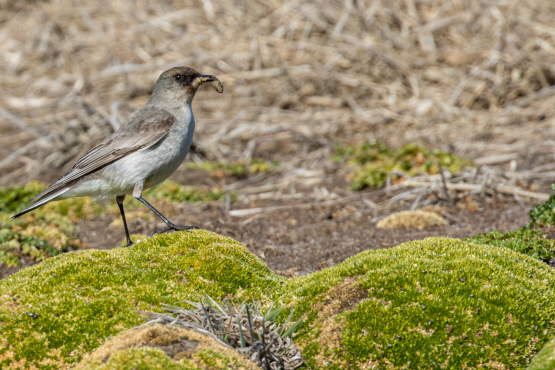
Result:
[{"x": 178, "y": 77}]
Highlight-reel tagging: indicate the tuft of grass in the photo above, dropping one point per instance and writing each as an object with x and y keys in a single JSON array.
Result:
[
  {"x": 236, "y": 169},
  {"x": 533, "y": 243},
  {"x": 373, "y": 161},
  {"x": 226, "y": 323}
]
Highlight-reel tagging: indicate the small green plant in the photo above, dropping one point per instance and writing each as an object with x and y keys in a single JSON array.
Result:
[
  {"x": 367, "y": 152},
  {"x": 543, "y": 214},
  {"x": 14, "y": 245},
  {"x": 373, "y": 161},
  {"x": 42, "y": 233},
  {"x": 177, "y": 193},
  {"x": 530, "y": 242},
  {"x": 15, "y": 199},
  {"x": 236, "y": 169},
  {"x": 172, "y": 192}
]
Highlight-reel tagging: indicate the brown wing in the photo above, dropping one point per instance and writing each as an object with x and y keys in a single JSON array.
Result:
[{"x": 148, "y": 126}]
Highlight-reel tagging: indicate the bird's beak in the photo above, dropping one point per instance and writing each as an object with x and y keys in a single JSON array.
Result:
[{"x": 217, "y": 84}]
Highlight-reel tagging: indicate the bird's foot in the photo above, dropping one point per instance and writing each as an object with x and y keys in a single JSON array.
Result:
[
  {"x": 129, "y": 243},
  {"x": 174, "y": 228}
]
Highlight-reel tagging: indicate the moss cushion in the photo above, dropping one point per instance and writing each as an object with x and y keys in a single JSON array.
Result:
[{"x": 436, "y": 303}]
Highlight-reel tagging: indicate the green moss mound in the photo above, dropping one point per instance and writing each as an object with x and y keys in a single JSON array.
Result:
[
  {"x": 436, "y": 303},
  {"x": 67, "y": 306},
  {"x": 545, "y": 360},
  {"x": 373, "y": 161}
]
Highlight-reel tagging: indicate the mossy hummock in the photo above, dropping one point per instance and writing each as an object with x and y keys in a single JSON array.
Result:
[
  {"x": 545, "y": 359},
  {"x": 55, "y": 312},
  {"x": 436, "y": 303}
]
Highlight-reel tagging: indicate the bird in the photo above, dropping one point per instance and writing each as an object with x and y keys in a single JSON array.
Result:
[{"x": 141, "y": 154}]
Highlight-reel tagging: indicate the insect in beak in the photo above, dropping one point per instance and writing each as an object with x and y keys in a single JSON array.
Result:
[{"x": 217, "y": 84}]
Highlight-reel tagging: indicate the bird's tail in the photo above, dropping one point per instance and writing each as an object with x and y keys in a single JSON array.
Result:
[{"x": 40, "y": 202}]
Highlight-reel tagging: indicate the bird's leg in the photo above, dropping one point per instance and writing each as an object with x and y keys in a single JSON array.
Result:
[
  {"x": 137, "y": 194},
  {"x": 119, "y": 201}
]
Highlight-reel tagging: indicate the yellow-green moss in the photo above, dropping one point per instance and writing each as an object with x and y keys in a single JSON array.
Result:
[
  {"x": 373, "y": 161},
  {"x": 83, "y": 297},
  {"x": 16, "y": 198},
  {"x": 176, "y": 193},
  {"x": 172, "y": 192},
  {"x": 533, "y": 243},
  {"x": 45, "y": 232},
  {"x": 545, "y": 359},
  {"x": 40, "y": 235},
  {"x": 142, "y": 359},
  {"x": 240, "y": 168},
  {"x": 436, "y": 303},
  {"x": 431, "y": 304}
]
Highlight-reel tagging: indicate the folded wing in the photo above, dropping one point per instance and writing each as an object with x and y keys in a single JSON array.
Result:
[{"x": 146, "y": 128}]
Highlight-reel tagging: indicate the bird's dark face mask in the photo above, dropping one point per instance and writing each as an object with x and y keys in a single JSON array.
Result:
[
  {"x": 179, "y": 85},
  {"x": 191, "y": 80}
]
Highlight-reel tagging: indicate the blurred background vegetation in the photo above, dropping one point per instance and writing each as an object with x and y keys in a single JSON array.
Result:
[{"x": 321, "y": 98}]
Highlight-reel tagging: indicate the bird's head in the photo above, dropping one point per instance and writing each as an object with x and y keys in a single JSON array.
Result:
[{"x": 178, "y": 86}]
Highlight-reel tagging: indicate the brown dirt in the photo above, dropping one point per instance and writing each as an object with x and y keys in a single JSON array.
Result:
[
  {"x": 310, "y": 239},
  {"x": 300, "y": 241}
]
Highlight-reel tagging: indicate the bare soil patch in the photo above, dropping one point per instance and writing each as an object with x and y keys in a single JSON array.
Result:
[{"x": 312, "y": 238}]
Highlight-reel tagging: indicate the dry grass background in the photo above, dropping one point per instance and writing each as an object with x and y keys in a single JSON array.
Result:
[{"x": 472, "y": 77}]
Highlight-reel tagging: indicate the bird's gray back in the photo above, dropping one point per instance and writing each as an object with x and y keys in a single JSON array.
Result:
[{"x": 156, "y": 163}]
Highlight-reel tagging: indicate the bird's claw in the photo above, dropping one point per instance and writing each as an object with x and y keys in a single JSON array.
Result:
[{"x": 175, "y": 228}]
